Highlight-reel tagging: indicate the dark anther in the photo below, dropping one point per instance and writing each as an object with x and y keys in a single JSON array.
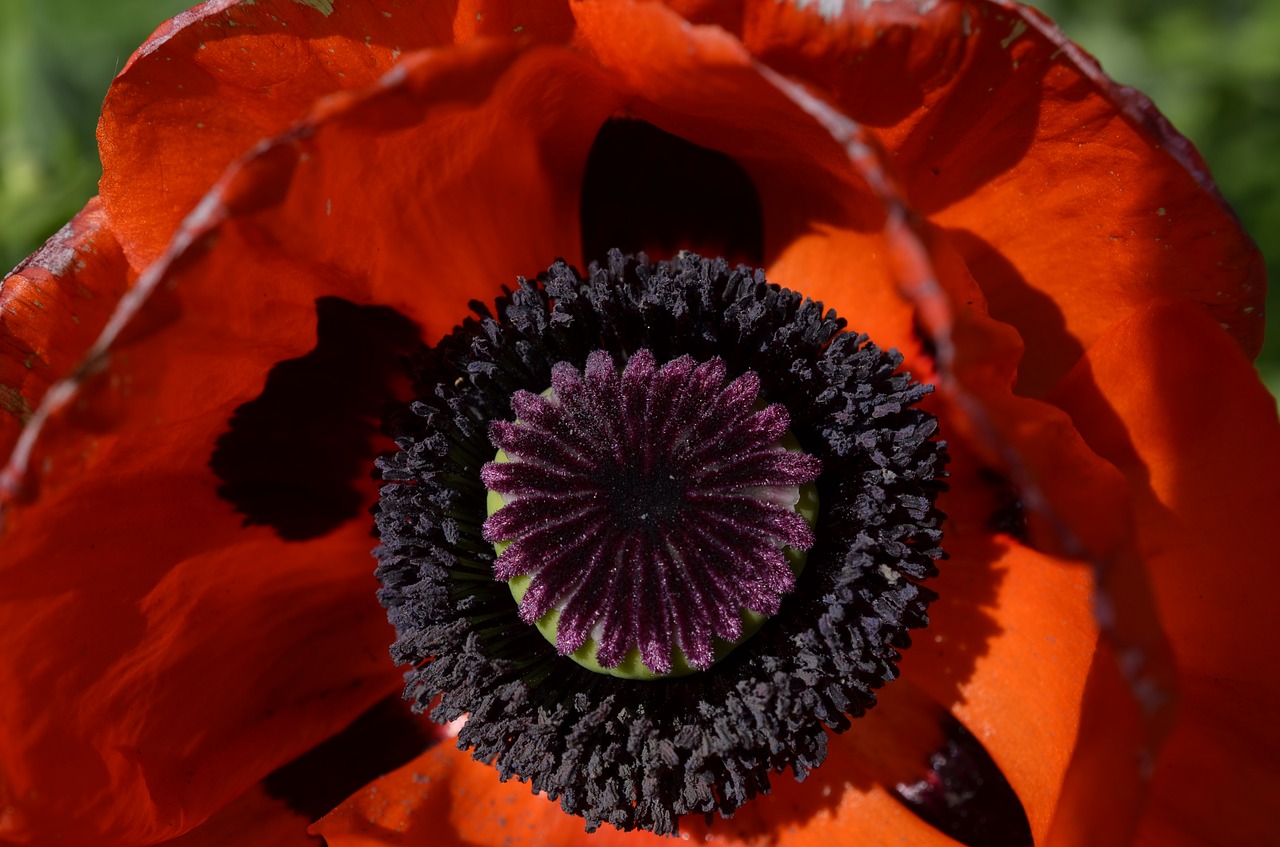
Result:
[
  {"x": 648, "y": 190},
  {"x": 379, "y": 741},
  {"x": 965, "y": 795},
  {"x": 296, "y": 457}
]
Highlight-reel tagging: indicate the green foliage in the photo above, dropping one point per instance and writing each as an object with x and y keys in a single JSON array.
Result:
[
  {"x": 56, "y": 59},
  {"x": 1212, "y": 67}
]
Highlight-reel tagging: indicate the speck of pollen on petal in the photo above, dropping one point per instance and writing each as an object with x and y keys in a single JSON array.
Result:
[{"x": 699, "y": 546}]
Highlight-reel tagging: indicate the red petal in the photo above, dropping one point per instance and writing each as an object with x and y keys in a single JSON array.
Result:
[
  {"x": 1198, "y": 438},
  {"x": 217, "y": 79},
  {"x": 1077, "y": 507},
  {"x": 1071, "y": 197},
  {"x": 171, "y": 659},
  {"x": 251, "y": 820},
  {"x": 297, "y": 211},
  {"x": 1106, "y": 783},
  {"x": 52, "y": 307},
  {"x": 1008, "y": 648}
]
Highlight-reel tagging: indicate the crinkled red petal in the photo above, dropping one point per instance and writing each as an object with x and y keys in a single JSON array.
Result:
[
  {"x": 1072, "y": 199},
  {"x": 254, "y": 819},
  {"x": 1199, "y": 440},
  {"x": 512, "y": 127},
  {"x": 210, "y": 84},
  {"x": 173, "y": 564},
  {"x": 1009, "y": 645},
  {"x": 1077, "y": 504},
  {"x": 159, "y": 659},
  {"x": 52, "y": 307}
]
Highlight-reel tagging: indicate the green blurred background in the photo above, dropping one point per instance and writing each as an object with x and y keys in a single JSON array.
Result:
[{"x": 1212, "y": 66}]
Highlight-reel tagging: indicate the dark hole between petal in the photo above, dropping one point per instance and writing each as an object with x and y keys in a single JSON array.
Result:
[
  {"x": 296, "y": 457},
  {"x": 1009, "y": 514},
  {"x": 927, "y": 344},
  {"x": 965, "y": 796},
  {"x": 379, "y": 741},
  {"x": 647, "y": 190}
]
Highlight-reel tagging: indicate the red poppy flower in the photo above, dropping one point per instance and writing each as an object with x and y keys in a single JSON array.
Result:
[{"x": 297, "y": 194}]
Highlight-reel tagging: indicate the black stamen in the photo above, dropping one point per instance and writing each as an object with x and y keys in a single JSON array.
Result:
[{"x": 639, "y": 754}]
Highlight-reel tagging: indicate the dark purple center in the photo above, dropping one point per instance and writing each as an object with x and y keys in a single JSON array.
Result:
[
  {"x": 650, "y": 508},
  {"x": 641, "y": 499}
]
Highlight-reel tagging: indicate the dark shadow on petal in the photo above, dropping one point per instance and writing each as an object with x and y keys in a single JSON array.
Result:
[
  {"x": 1051, "y": 350},
  {"x": 379, "y": 741},
  {"x": 1008, "y": 515},
  {"x": 928, "y": 347},
  {"x": 964, "y": 794},
  {"x": 296, "y": 457},
  {"x": 648, "y": 190}
]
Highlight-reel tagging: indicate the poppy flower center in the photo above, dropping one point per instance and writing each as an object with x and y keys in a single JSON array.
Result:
[
  {"x": 651, "y": 507},
  {"x": 643, "y": 517}
]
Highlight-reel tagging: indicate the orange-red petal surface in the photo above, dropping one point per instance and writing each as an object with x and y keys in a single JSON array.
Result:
[
  {"x": 254, "y": 819},
  {"x": 701, "y": 84},
  {"x": 1008, "y": 649},
  {"x": 1071, "y": 198},
  {"x": 1169, "y": 400},
  {"x": 52, "y": 307},
  {"x": 217, "y": 79},
  {"x": 1105, "y": 787},
  {"x": 297, "y": 211},
  {"x": 159, "y": 660},
  {"x": 446, "y": 798},
  {"x": 1075, "y": 502}
]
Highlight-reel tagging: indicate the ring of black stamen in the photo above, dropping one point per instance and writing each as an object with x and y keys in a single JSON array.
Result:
[{"x": 641, "y": 754}]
